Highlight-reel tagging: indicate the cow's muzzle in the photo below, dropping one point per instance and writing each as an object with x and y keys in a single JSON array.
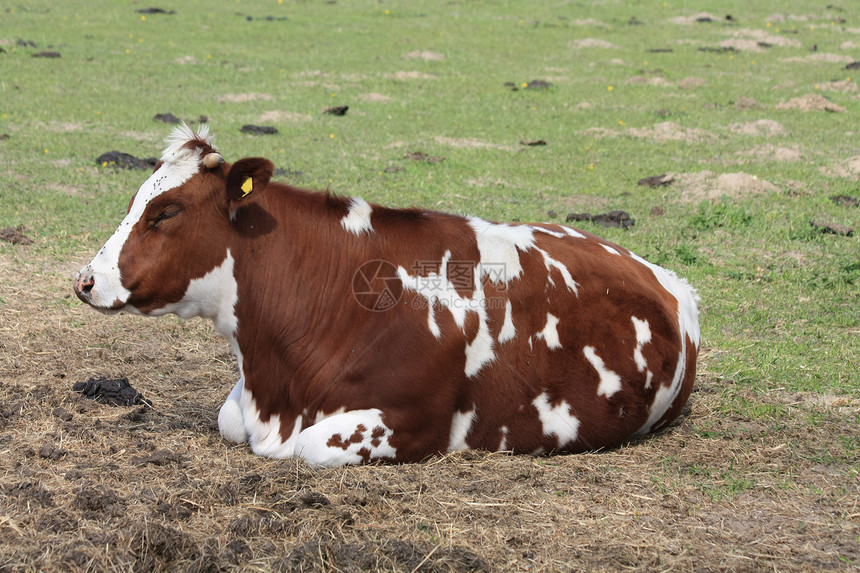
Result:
[{"x": 84, "y": 283}]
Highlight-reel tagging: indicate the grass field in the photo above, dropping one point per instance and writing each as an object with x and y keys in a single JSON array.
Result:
[{"x": 750, "y": 110}]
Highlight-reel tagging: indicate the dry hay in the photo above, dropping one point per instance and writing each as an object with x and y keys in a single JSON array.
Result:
[
  {"x": 705, "y": 185},
  {"x": 811, "y": 102},
  {"x": 90, "y": 487}
]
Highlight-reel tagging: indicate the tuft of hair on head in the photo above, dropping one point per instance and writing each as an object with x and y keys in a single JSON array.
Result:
[{"x": 183, "y": 134}]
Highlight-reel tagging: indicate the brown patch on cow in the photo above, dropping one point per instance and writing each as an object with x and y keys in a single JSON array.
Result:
[
  {"x": 376, "y": 436},
  {"x": 337, "y": 441},
  {"x": 811, "y": 102}
]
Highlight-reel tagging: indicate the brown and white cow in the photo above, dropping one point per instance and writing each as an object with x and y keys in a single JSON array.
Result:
[{"x": 364, "y": 332}]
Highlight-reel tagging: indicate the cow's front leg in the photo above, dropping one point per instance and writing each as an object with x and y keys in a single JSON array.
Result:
[
  {"x": 353, "y": 437},
  {"x": 231, "y": 421}
]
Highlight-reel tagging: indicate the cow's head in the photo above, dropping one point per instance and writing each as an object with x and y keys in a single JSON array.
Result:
[{"x": 176, "y": 232}]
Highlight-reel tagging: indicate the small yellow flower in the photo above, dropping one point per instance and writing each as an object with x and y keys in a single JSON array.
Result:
[
  {"x": 610, "y": 88},
  {"x": 621, "y": 122},
  {"x": 127, "y": 51},
  {"x": 525, "y": 84},
  {"x": 767, "y": 24},
  {"x": 331, "y": 136},
  {"x": 46, "y": 150},
  {"x": 387, "y": 12},
  {"x": 333, "y": 95},
  {"x": 591, "y": 167},
  {"x": 143, "y": 18}
]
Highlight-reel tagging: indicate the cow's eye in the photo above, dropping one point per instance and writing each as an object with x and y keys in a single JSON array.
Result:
[{"x": 168, "y": 213}]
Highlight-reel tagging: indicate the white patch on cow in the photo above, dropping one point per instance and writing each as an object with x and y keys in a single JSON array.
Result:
[
  {"x": 556, "y": 234},
  {"x": 342, "y": 439},
  {"x": 610, "y": 250},
  {"x": 180, "y": 165},
  {"x": 357, "y": 220},
  {"x": 265, "y": 436},
  {"x": 557, "y": 420},
  {"x": 437, "y": 289},
  {"x": 610, "y": 382},
  {"x": 503, "y": 446},
  {"x": 688, "y": 324},
  {"x": 550, "y": 264},
  {"x": 550, "y": 332},
  {"x": 501, "y": 244},
  {"x": 572, "y": 232},
  {"x": 461, "y": 424},
  {"x": 231, "y": 421},
  {"x": 688, "y": 311},
  {"x": 508, "y": 331},
  {"x": 643, "y": 337}
]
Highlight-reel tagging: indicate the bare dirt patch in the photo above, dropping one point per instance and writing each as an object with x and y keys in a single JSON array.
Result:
[
  {"x": 283, "y": 115},
  {"x": 665, "y": 131},
  {"x": 843, "y": 86},
  {"x": 770, "y": 152},
  {"x": 820, "y": 58},
  {"x": 424, "y": 55},
  {"x": 591, "y": 43},
  {"x": 849, "y": 168},
  {"x": 374, "y": 97},
  {"x": 411, "y": 75},
  {"x": 649, "y": 81},
  {"x": 471, "y": 143},
  {"x": 811, "y": 102},
  {"x": 694, "y": 18},
  {"x": 244, "y": 98},
  {"x": 763, "y": 39},
  {"x": 766, "y": 127},
  {"x": 705, "y": 185}
]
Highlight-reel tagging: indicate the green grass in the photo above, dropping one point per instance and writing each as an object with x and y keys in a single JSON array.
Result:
[{"x": 780, "y": 300}]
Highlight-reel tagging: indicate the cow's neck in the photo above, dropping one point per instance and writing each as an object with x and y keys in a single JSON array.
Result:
[{"x": 292, "y": 266}]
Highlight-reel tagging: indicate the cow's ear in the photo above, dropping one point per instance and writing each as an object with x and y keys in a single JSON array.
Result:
[{"x": 247, "y": 176}]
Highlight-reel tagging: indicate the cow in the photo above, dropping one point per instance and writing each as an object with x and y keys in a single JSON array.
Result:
[{"x": 367, "y": 333}]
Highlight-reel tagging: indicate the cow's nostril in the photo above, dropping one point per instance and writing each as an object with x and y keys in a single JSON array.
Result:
[{"x": 83, "y": 285}]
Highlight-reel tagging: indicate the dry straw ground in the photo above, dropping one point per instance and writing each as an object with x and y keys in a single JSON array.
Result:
[{"x": 87, "y": 486}]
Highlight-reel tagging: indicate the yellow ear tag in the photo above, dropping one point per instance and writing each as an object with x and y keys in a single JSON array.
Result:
[{"x": 247, "y": 186}]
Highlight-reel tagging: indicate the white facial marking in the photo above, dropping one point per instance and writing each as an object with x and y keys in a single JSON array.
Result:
[
  {"x": 342, "y": 439},
  {"x": 357, "y": 220},
  {"x": 436, "y": 288},
  {"x": 460, "y": 426},
  {"x": 643, "y": 337},
  {"x": 610, "y": 249},
  {"x": 556, "y": 420},
  {"x": 231, "y": 421},
  {"x": 550, "y": 332},
  {"x": 180, "y": 165},
  {"x": 508, "y": 332},
  {"x": 610, "y": 382}
]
